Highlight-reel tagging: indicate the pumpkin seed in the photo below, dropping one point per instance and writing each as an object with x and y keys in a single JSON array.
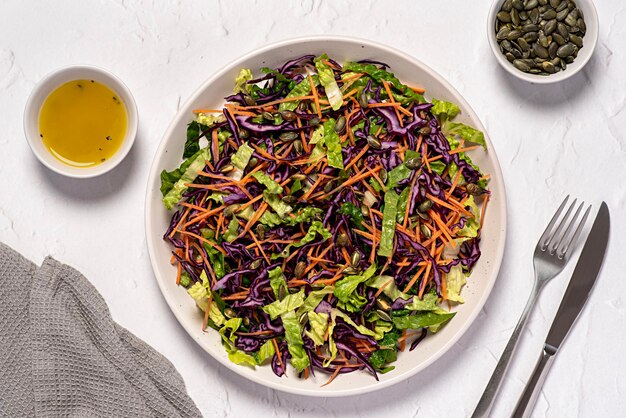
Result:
[
  {"x": 561, "y": 6},
  {"x": 562, "y": 29},
  {"x": 543, "y": 2},
  {"x": 516, "y": 54},
  {"x": 523, "y": 44},
  {"x": 474, "y": 189},
  {"x": 355, "y": 259},
  {"x": 581, "y": 25},
  {"x": 521, "y": 65},
  {"x": 540, "y": 51},
  {"x": 350, "y": 271},
  {"x": 423, "y": 215},
  {"x": 290, "y": 200},
  {"x": 246, "y": 321},
  {"x": 515, "y": 19},
  {"x": 510, "y": 57},
  {"x": 242, "y": 133},
  {"x": 514, "y": 34},
  {"x": 373, "y": 142},
  {"x": 314, "y": 121},
  {"x": 364, "y": 99},
  {"x": 559, "y": 39},
  {"x": 533, "y": 15},
  {"x": 425, "y": 206},
  {"x": 384, "y": 315},
  {"x": 227, "y": 168},
  {"x": 340, "y": 124},
  {"x": 503, "y": 33},
  {"x": 383, "y": 175},
  {"x": 560, "y": 16},
  {"x": 548, "y": 67},
  {"x": 297, "y": 145},
  {"x": 342, "y": 240},
  {"x": 576, "y": 40},
  {"x": 304, "y": 319},
  {"x": 552, "y": 50},
  {"x": 554, "y": 3},
  {"x": 413, "y": 163},
  {"x": 260, "y": 231},
  {"x": 230, "y": 313},
  {"x": 549, "y": 15},
  {"x": 267, "y": 115},
  {"x": 566, "y": 50},
  {"x": 531, "y": 36},
  {"x": 365, "y": 210},
  {"x": 535, "y": 71},
  {"x": 426, "y": 129},
  {"x": 329, "y": 186},
  {"x": 300, "y": 269},
  {"x": 288, "y": 115},
  {"x": 425, "y": 231},
  {"x": 530, "y": 27},
  {"x": 518, "y": 5},
  {"x": 550, "y": 27},
  {"x": 523, "y": 16},
  {"x": 248, "y": 100},
  {"x": 569, "y": 59},
  {"x": 253, "y": 162},
  {"x": 504, "y": 17},
  {"x": 228, "y": 212},
  {"x": 256, "y": 264},
  {"x": 572, "y": 18},
  {"x": 382, "y": 304},
  {"x": 288, "y": 136},
  {"x": 282, "y": 292},
  {"x": 531, "y": 4}
]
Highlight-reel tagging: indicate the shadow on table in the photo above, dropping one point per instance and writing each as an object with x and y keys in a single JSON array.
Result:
[
  {"x": 548, "y": 95},
  {"x": 96, "y": 188}
]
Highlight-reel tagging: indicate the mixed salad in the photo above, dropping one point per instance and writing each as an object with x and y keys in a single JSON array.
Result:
[{"x": 327, "y": 217}]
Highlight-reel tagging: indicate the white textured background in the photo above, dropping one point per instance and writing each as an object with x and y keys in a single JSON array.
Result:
[{"x": 551, "y": 140}]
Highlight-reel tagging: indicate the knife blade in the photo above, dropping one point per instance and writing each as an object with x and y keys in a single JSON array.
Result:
[
  {"x": 576, "y": 295},
  {"x": 583, "y": 279}
]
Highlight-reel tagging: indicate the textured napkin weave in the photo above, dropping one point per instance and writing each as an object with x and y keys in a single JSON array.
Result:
[{"x": 61, "y": 353}]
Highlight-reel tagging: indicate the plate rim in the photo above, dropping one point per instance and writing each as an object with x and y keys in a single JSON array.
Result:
[{"x": 496, "y": 177}]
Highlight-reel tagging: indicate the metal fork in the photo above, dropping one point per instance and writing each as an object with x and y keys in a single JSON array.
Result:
[{"x": 551, "y": 254}]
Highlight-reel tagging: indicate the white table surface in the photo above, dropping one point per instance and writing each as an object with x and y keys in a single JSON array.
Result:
[{"x": 551, "y": 140}]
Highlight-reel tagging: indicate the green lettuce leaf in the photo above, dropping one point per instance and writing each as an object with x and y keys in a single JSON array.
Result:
[
  {"x": 422, "y": 320},
  {"x": 336, "y": 313},
  {"x": 455, "y": 280},
  {"x": 197, "y": 163},
  {"x": 274, "y": 201},
  {"x": 295, "y": 345},
  {"x": 380, "y": 357},
  {"x": 270, "y": 219},
  {"x": 192, "y": 145},
  {"x": 303, "y": 88},
  {"x": 305, "y": 215},
  {"x": 241, "y": 357},
  {"x": 271, "y": 185},
  {"x": 266, "y": 352},
  {"x": 241, "y": 81},
  {"x": 318, "y": 135},
  {"x": 469, "y": 134},
  {"x": 199, "y": 293},
  {"x": 407, "y": 95},
  {"x": 443, "y": 110},
  {"x": 427, "y": 303},
  {"x": 288, "y": 303},
  {"x": 403, "y": 200},
  {"x": 209, "y": 119},
  {"x": 316, "y": 228},
  {"x": 353, "y": 211},
  {"x": 327, "y": 78},
  {"x": 472, "y": 225},
  {"x": 438, "y": 166},
  {"x": 313, "y": 299},
  {"x": 401, "y": 171},
  {"x": 232, "y": 231},
  {"x": 318, "y": 324},
  {"x": 345, "y": 289},
  {"x": 385, "y": 248},
  {"x": 277, "y": 280},
  {"x": 333, "y": 146},
  {"x": 241, "y": 158}
]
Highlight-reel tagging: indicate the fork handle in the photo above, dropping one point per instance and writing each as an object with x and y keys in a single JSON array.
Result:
[
  {"x": 527, "y": 401},
  {"x": 489, "y": 395}
]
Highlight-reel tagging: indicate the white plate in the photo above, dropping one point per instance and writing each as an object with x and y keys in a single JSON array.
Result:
[{"x": 210, "y": 94}]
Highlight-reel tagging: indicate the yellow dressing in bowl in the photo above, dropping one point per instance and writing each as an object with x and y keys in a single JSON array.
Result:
[{"x": 82, "y": 123}]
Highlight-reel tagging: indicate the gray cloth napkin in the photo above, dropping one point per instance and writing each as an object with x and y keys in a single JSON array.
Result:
[{"x": 61, "y": 353}]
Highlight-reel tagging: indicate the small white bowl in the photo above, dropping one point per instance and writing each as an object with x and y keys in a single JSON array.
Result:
[
  {"x": 589, "y": 45},
  {"x": 51, "y": 82}
]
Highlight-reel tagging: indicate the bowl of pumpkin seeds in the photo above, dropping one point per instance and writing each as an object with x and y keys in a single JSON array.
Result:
[{"x": 543, "y": 41}]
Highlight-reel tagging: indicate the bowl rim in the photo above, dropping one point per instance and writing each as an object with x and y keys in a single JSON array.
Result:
[
  {"x": 591, "y": 19},
  {"x": 35, "y": 101},
  {"x": 400, "y": 377}
]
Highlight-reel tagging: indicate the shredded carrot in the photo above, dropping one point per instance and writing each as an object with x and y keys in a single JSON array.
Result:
[
  {"x": 315, "y": 96},
  {"x": 415, "y": 277},
  {"x": 212, "y": 244},
  {"x": 382, "y": 288},
  {"x": 386, "y": 85},
  {"x": 279, "y": 355},
  {"x": 402, "y": 341}
]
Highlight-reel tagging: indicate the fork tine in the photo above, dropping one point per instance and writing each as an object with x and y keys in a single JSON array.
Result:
[
  {"x": 562, "y": 251},
  {"x": 559, "y": 227},
  {"x": 543, "y": 241},
  {"x": 562, "y": 237},
  {"x": 558, "y": 234}
]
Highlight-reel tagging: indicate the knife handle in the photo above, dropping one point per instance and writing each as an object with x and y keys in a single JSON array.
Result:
[{"x": 526, "y": 402}]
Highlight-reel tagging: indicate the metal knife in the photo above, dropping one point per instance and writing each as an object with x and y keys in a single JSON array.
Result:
[{"x": 583, "y": 279}]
